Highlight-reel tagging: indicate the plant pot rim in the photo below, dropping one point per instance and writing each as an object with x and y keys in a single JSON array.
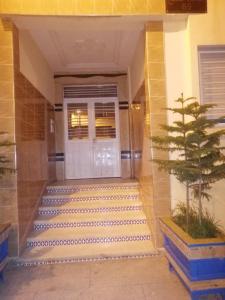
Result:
[
  {"x": 186, "y": 238},
  {"x": 4, "y": 227}
]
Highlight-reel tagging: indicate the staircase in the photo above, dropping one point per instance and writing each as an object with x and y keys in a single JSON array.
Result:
[{"x": 88, "y": 222}]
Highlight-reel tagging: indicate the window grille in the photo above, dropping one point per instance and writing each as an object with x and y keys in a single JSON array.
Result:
[
  {"x": 105, "y": 122},
  {"x": 77, "y": 121}
]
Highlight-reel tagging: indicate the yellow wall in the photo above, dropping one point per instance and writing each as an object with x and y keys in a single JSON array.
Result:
[
  {"x": 208, "y": 30},
  {"x": 205, "y": 30},
  {"x": 178, "y": 74},
  {"x": 34, "y": 66}
]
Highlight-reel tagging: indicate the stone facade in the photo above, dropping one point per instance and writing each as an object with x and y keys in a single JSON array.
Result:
[
  {"x": 8, "y": 184},
  {"x": 154, "y": 183},
  {"x": 80, "y": 7}
]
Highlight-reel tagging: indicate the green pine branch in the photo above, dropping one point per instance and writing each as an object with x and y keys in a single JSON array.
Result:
[{"x": 200, "y": 161}]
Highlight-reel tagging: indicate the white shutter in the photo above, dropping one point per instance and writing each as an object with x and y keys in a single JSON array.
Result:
[
  {"x": 212, "y": 78},
  {"x": 90, "y": 91}
]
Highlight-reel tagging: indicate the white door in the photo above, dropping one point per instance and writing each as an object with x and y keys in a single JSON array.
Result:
[{"x": 92, "y": 147}]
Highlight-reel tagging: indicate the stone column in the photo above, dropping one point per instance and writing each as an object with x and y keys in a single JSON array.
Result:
[{"x": 155, "y": 88}]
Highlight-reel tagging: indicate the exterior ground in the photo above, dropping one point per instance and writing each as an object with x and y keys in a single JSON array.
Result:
[{"x": 137, "y": 279}]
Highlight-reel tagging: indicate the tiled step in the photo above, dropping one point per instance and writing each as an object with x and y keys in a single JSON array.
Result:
[
  {"x": 96, "y": 204},
  {"x": 123, "y": 215},
  {"x": 90, "y": 196},
  {"x": 69, "y": 209},
  {"x": 86, "y": 234},
  {"x": 84, "y": 240},
  {"x": 91, "y": 187},
  {"x": 88, "y": 222},
  {"x": 90, "y": 252}
]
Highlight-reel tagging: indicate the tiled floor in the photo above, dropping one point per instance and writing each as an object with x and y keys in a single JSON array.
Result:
[{"x": 143, "y": 279}]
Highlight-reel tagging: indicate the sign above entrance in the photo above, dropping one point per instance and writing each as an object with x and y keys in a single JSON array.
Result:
[{"x": 186, "y": 6}]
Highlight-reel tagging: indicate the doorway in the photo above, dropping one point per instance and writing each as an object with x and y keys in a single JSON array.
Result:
[{"x": 92, "y": 137}]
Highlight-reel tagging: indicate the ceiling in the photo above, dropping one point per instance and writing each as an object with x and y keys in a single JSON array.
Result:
[{"x": 85, "y": 44}]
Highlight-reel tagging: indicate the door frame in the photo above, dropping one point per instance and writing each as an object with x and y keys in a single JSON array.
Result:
[{"x": 117, "y": 119}]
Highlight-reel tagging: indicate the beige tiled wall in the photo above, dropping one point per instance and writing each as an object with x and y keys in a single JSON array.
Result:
[
  {"x": 25, "y": 116},
  {"x": 83, "y": 7},
  {"x": 35, "y": 146},
  {"x": 155, "y": 188}
]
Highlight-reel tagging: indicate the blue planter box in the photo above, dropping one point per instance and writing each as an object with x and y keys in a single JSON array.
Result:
[
  {"x": 4, "y": 233},
  {"x": 200, "y": 263}
]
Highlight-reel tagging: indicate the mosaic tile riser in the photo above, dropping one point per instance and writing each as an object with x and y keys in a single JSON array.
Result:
[
  {"x": 87, "y": 188},
  {"x": 98, "y": 240},
  {"x": 47, "y": 225},
  {"x": 58, "y": 200},
  {"x": 52, "y": 211}
]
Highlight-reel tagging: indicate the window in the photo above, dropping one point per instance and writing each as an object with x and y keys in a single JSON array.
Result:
[
  {"x": 77, "y": 121},
  {"x": 212, "y": 78}
]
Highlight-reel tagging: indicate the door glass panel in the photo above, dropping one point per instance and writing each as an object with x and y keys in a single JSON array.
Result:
[
  {"x": 77, "y": 121},
  {"x": 105, "y": 122}
]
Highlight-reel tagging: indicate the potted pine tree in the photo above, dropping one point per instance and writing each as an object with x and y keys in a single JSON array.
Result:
[
  {"x": 194, "y": 242},
  {"x": 4, "y": 228}
]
